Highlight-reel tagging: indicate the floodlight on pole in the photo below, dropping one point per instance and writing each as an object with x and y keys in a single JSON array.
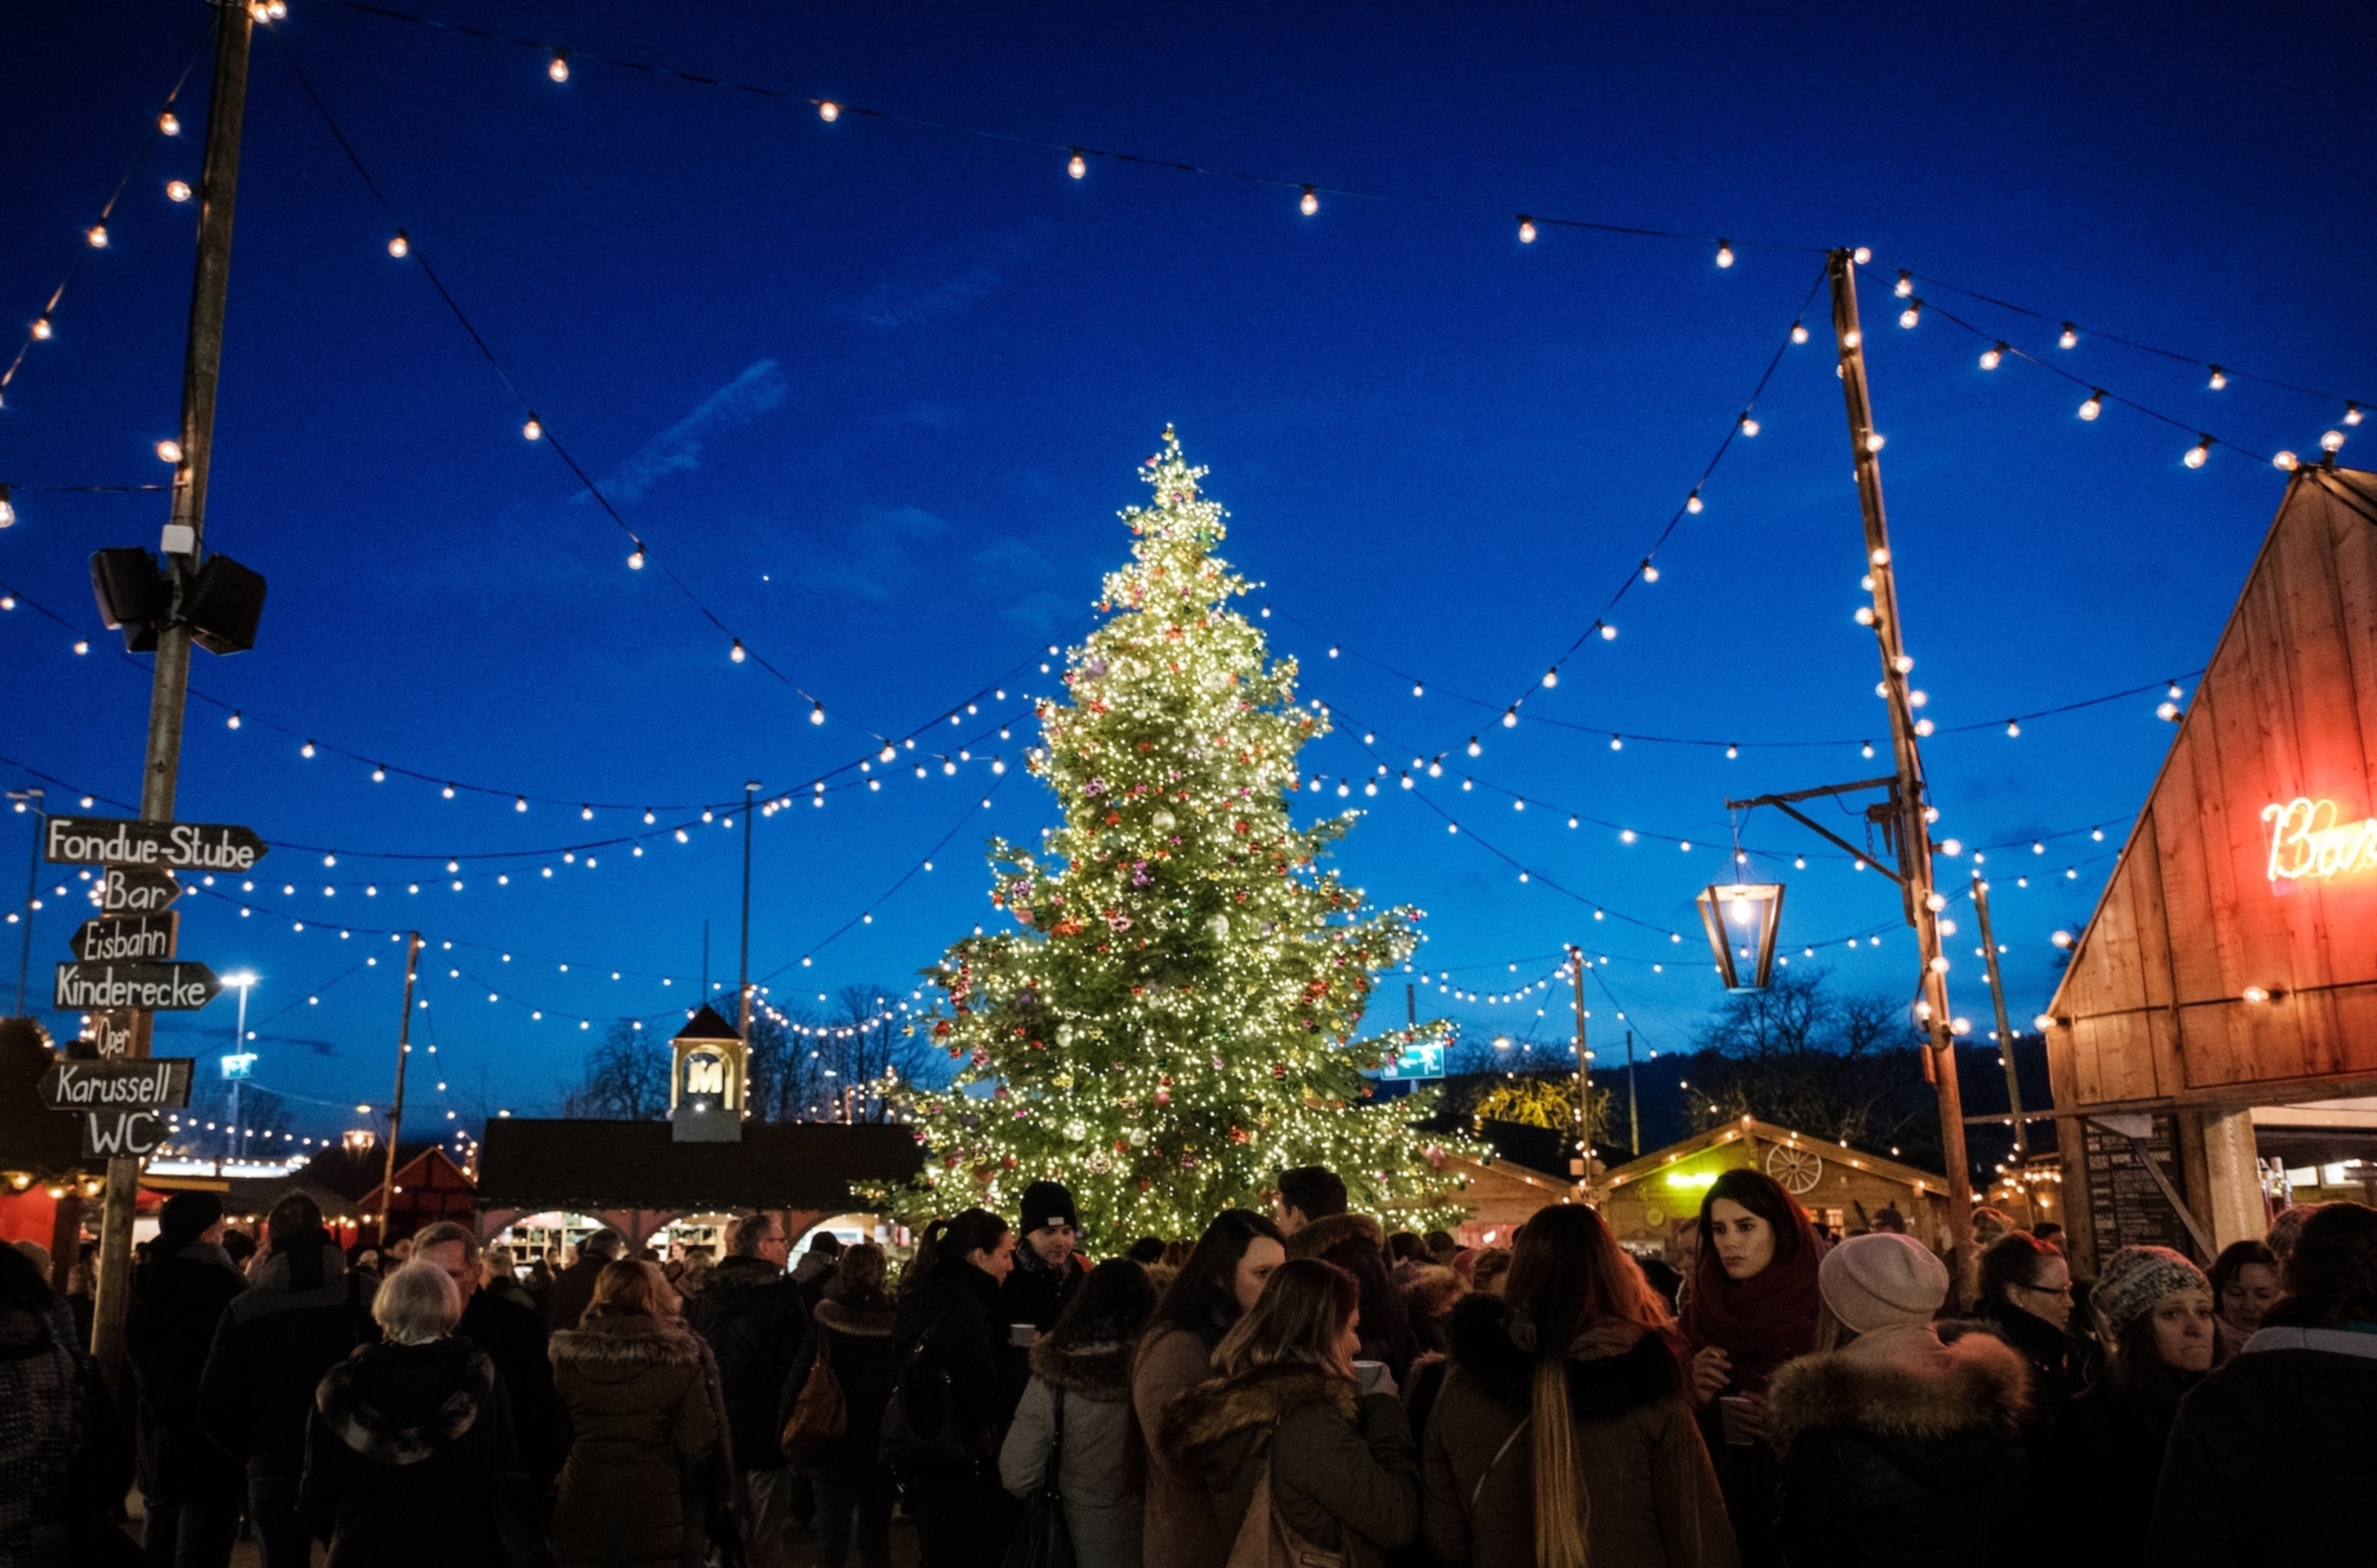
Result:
[{"x": 1741, "y": 920}]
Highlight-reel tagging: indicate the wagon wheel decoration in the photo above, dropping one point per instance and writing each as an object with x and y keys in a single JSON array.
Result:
[{"x": 1796, "y": 1168}]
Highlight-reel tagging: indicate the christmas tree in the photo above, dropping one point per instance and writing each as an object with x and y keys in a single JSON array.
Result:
[{"x": 1174, "y": 1020}]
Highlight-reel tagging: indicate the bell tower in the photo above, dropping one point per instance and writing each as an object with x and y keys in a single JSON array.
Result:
[{"x": 706, "y": 1081}]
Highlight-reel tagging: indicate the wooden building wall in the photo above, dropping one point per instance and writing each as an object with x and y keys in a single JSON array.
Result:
[{"x": 2153, "y": 1011}]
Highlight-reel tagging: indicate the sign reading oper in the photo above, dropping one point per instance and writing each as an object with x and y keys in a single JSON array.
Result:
[{"x": 178, "y": 846}]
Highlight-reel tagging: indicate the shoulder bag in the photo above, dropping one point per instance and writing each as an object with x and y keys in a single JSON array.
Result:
[
  {"x": 937, "y": 1448},
  {"x": 1044, "y": 1542},
  {"x": 821, "y": 1415},
  {"x": 1265, "y": 1540}
]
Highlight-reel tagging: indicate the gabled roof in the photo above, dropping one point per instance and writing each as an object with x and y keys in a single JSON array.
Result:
[
  {"x": 705, "y": 1024},
  {"x": 355, "y": 1173},
  {"x": 1754, "y": 1131}
]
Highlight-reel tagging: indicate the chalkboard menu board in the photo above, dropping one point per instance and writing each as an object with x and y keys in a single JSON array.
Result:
[{"x": 2125, "y": 1206}]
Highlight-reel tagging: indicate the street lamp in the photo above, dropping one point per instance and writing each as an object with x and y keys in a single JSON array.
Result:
[
  {"x": 1741, "y": 919},
  {"x": 240, "y": 980}
]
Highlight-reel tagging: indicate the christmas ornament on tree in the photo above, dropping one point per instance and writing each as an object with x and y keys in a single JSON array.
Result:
[{"x": 1173, "y": 1019}]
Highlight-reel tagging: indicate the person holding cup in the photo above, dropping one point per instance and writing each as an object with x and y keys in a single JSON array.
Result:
[
  {"x": 1302, "y": 1449},
  {"x": 1754, "y": 1305}
]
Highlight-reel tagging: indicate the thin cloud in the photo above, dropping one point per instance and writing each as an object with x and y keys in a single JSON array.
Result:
[{"x": 678, "y": 448}]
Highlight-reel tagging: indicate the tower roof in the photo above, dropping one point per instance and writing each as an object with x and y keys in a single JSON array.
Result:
[{"x": 705, "y": 1024}]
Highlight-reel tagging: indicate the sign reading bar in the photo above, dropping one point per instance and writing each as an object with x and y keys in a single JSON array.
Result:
[
  {"x": 150, "y": 988},
  {"x": 179, "y": 846},
  {"x": 136, "y": 891},
  {"x": 122, "y": 1134},
  {"x": 2307, "y": 840},
  {"x": 126, "y": 937},
  {"x": 147, "y": 1083}
]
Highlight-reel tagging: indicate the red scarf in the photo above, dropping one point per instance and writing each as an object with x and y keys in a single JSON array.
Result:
[{"x": 1760, "y": 1322}]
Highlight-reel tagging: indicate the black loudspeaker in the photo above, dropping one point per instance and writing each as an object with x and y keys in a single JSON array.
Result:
[
  {"x": 133, "y": 595},
  {"x": 222, "y": 604}
]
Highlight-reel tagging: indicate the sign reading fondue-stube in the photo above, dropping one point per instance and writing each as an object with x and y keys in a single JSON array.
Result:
[{"x": 178, "y": 846}]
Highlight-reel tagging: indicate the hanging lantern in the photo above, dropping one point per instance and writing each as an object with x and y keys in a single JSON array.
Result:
[{"x": 1741, "y": 919}]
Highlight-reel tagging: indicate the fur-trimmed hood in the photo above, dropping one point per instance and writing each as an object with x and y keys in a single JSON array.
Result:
[
  {"x": 1221, "y": 1409},
  {"x": 1093, "y": 1372},
  {"x": 623, "y": 1345},
  {"x": 1612, "y": 1369},
  {"x": 1319, "y": 1237},
  {"x": 1979, "y": 1383},
  {"x": 862, "y": 1317},
  {"x": 402, "y": 1404}
]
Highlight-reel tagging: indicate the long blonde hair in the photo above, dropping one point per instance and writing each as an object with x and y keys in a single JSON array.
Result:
[
  {"x": 627, "y": 1288},
  {"x": 1300, "y": 1318}
]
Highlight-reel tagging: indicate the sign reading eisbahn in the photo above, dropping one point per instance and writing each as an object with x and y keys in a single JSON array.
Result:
[{"x": 126, "y": 937}]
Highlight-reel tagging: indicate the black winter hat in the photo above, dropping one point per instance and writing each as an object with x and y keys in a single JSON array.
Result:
[
  {"x": 1046, "y": 1204},
  {"x": 185, "y": 1217}
]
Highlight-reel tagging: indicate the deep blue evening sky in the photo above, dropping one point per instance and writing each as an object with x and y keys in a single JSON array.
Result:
[{"x": 875, "y": 390}]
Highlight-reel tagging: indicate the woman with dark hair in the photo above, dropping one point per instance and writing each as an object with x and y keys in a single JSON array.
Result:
[
  {"x": 2244, "y": 1287},
  {"x": 1217, "y": 1282},
  {"x": 1076, "y": 1412},
  {"x": 1580, "y": 1356},
  {"x": 2273, "y": 1459},
  {"x": 2026, "y": 1300},
  {"x": 2155, "y": 1309},
  {"x": 1299, "y": 1456},
  {"x": 634, "y": 1388},
  {"x": 853, "y": 1329},
  {"x": 1754, "y": 1305},
  {"x": 946, "y": 1331}
]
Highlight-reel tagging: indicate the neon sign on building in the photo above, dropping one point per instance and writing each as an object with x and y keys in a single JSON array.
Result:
[{"x": 2306, "y": 841}]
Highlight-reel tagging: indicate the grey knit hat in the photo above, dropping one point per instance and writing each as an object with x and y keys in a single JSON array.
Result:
[{"x": 2134, "y": 1279}]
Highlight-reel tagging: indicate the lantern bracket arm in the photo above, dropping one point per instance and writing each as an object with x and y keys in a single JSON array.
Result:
[{"x": 1783, "y": 803}]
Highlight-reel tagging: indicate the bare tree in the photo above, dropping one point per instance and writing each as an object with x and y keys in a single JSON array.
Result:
[
  {"x": 1798, "y": 1055},
  {"x": 626, "y": 1078}
]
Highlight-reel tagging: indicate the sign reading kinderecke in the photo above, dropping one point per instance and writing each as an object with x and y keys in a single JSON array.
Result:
[
  {"x": 179, "y": 846},
  {"x": 151, "y": 988}
]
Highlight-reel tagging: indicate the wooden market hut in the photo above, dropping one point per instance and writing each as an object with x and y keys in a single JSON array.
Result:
[
  {"x": 1649, "y": 1201},
  {"x": 2226, "y": 981}
]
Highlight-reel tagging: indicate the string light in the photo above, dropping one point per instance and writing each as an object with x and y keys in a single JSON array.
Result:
[
  {"x": 1551, "y": 677},
  {"x": 1799, "y": 332},
  {"x": 1905, "y": 285},
  {"x": 1993, "y": 356},
  {"x": 2069, "y": 339},
  {"x": 2219, "y": 378},
  {"x": 1911, "y": 315},
  {"x": 559, "y": 69},
  {"x": 1650, "y": 572},
  {"x": 7, "y": 508},
  {"x": 2095, "y": 406},
  {"x": 1526, "y": 230},
  {"x": 533, "y": 430},
  {"x": 1748, "y": 425},
  {"x": 829, "y": 110},
  {"x": 169, "y": 451},
  {"x": 1724, "y": 253},
  {"x": 2197, "y": 453},
  {"x": 96, "y": 235},
  {"x": 1078, "y": 166},
  {"x": 2351, "y": 414},
  {"x": 1311, "y": 202},
  {"x": 2332, "y": 441},
  {"x": 177, "y": 190},
  {"x": 168, "y": 124},
  {"x": 635, "y": 559},
  {"x": 1693, "y": 504},
  {"x": 2284, "y": 461},
  {"x": 736, "y": 653},
  {"x": 399, "y": 245},
  {"x": 42, "y": 328}
]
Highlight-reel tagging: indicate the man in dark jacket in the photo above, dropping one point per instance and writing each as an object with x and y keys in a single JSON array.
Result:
[
  {"x": 513, "y": 1338},
  {"x": 573, "y": 1287},
  {"x": 1046, "y": 1275},
  {"x": 190, "y": 1488},
  {"x": 300, "y": 1316},
  {"x": 755, "y": 1320}
]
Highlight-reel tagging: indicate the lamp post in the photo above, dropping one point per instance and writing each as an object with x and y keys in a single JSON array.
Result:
[
  {"x": 28, "y": 800},
  {"x": 1741, "y": 920},
  {"x": 743, "y": 962},
  {"x": 241, "y": 980}
]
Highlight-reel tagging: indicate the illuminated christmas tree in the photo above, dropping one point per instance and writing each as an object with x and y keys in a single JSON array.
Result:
[{"x": 1175, "y": 1020}]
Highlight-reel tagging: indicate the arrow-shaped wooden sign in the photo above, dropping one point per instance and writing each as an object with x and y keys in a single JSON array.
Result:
[
  {"x": 179, "y": 846},
  {"x": 151, "y": 988}
]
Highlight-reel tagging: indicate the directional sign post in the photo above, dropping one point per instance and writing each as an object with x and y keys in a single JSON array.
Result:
[
  {"x": 152, "y": 1082},
  {"x": 126, "y": 938},
  {"x": 148, "y": 988},
  {"x": 122, "y": 1134},
  {"x": 110, "y": 1030},
  {"x": 163, "y": 847},
  {"x": 136, "y": 891}
]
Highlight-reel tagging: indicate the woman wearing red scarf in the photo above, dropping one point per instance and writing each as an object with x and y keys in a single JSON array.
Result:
[{"x": 1754, "y": 1305}]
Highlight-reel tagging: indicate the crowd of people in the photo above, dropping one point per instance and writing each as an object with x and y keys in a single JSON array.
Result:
[{"x": 1296, "y": 1389}]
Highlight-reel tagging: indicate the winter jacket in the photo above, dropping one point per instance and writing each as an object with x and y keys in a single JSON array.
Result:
[
  {"x": 1912, "y": 1459},
  {"x": 1180, "y": 1528},
  {"x": 300, "y": 1316},
  {"x": 1355, "y": 1243},
  {"x": 1344, "y": 1473},
  {"x": 2053, "y": 1384},
  {"x": 857, "y": 1336},
  {"x": 1095, "y": 1467},
  {"x": 754, "y": 1318},
  {"x": 1033, "y": 1294},
  {"x": 949, "y": 1327},
  {"x": 1651, "y": 1494},
  {"x": 640, "y": 1422},
  {"x": 572, "y": 1292},
  {"x": 403, "y": 1452},
  {"x": 513, "y": 1338},
  {"x": 2112, "y": 1441},
  {"x": 2273, "y": 1458},
  {"x": 48, "y": 1395},
  {"x": 177, "y": 1303}
]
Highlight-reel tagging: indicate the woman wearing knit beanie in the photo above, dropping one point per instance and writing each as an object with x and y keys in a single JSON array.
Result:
[
  {"x": 1898, "y": 1449},
  {"x": 2153, "y": 1311}
]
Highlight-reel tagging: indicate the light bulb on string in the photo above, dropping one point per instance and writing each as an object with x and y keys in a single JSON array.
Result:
[
  {"x": 2014, "y": 730},
  {"x": 1551, "y": 677},
  {"x": 2070, "y": 338},
  {"x": 1616, "y": 743},
  {"x": 829, "y": 110},
  {"x": 1905, "y": 284},
  {"x": 636, "y": 557},
  {"x": 399, "y": 245},
  {"x": 1724, "y": 253},
  {"x": 2197, "y": 453},
  {"x": 519, "y": 803},
  {"x": 816, "y": 712},
  {"x": 2351, "y": 414},
  {"x": 169, "y": 451},
  {"x": 2095, "y": 406},
  {"x": 1650, "y": 572},
  {"x": 41, "y": 328},
  {"x": 1911, "y": 315},
  {"x": 1474, "y": 748},
  {"x": 533, "y": 430},
  {"x": 1692, "y": 503},
  {"x": 1867, "y": 748},
  {"x": 2284, "y": 461},
  {"x": 735, "y": 652},
  {"x": 1510, "y": 717},
  {"x": 1748, "y": 425},
  {"x": 1799, "y": 332},
  {"x": 1993, "y": 356},
  {"x": 168, "y": 124},
  {"x": 7, "y": 508},
  {"x": 177, "y": 190},
  {"x": 1526, "y": 230},
  {"x": 97, "y": 236},
  {"x": 306, "y": 749},
  {"x": 1311, "y": 202},
  {"x": 380, "y": 775},
  {"x": 1076, "y": 166},
  {"x": 2332, "y": 441},
  {"x": 559, "y": 69},
  {"x": 2219, "y": 378}
]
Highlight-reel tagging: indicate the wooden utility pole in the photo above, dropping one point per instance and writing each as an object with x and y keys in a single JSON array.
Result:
[
  {"x": 1911, "y": 826},
  {"x": 1582, "y": 1165},
  {"x": 1997, "y": 999},
  {"x": 160, "y": 772},
  {"x": 396, "y": 1105},
  {"x": 1633, "y": 1102}
]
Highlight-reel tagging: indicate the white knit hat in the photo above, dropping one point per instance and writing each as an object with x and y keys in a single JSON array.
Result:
[{"x": 1882, "y": 1279}]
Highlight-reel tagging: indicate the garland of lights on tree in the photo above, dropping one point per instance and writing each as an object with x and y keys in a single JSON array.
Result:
[{"x": 1174, "y": 1020}]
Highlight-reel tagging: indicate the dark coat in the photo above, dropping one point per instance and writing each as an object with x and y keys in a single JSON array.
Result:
[
  {"x": 1355, "y": 1243},
  {"x": 2273, "y": 1458},
  {"x": 640, "y": 1424},
  {"x": 1651, "y": 1492},
  {"x": 1343, "y": 1472},
  {"x": 300, "y": 1316},
  {"x": 2112, "y": 1440},
  {"x": 950, "y": 1325},
  {"x": 49, "y": 1392},
  {"x": 755, "y": 1320},
  {"x": 572, "y": 1292},
  {"x": 858, "y": 1347},
  {"x": 1891, "y": 1465},
  {"x": 1179, "y": 1529},
  {"x": 513, "y": 1338},
  {"x": 1033, "y": 1294},
  {"x": 403, "y": 1452},
  {"x": 177, "y": 1303}
]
